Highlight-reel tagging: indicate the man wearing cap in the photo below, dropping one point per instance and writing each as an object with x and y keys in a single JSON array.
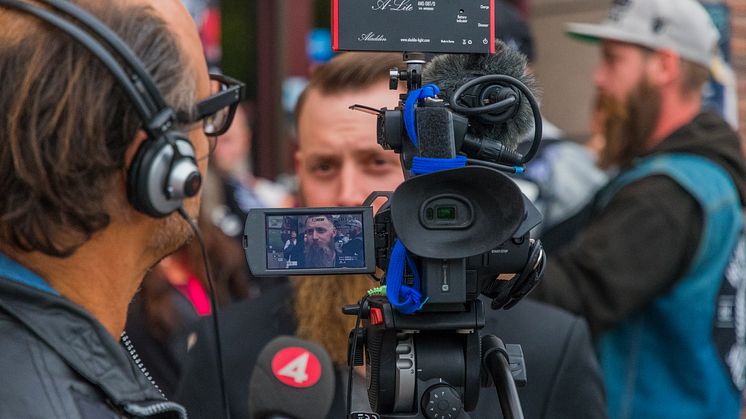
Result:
[{"x": 657, "y": 269}]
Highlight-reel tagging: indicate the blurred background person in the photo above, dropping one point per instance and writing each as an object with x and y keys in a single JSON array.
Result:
[
  {"x": 293, "y": 251},
  {"x": 354, "y": 248},
  {"x": 657, "y": 267},
  {"x": 234, "y": 189}
]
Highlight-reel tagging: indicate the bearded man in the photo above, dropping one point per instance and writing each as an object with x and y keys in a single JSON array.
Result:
[
  {"x": 319, "y": 251},
  {"x": 653, "y": 269},
  {"x": 339, "y": 163}
]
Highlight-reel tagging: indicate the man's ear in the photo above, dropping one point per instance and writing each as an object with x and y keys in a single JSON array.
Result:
[
  {"x": 120, "y": 206},
  {"x": 666, "y": 67},
  {"x": 129, "y": 155}
]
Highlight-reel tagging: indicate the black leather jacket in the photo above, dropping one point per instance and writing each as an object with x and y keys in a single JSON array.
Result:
[{"x": 57, "y": 361}]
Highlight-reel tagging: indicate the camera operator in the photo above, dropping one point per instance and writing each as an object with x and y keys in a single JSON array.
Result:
[
  {"x": 73, "y": 248},
  {"x": 338, "y": 164},
  {"x": 657, "y": 268}
]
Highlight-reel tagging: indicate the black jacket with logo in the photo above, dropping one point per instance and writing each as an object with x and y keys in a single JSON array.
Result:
[{"x": 59, "y": 362}]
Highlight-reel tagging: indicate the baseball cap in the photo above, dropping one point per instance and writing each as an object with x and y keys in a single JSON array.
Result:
[{"x": 682, "y": 26}]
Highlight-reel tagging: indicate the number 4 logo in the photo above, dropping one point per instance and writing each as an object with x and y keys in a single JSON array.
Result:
[{"x": 296, "y": 367}]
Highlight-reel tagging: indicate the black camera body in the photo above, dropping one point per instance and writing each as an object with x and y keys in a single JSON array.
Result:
[{"x": 468, "y": 231}]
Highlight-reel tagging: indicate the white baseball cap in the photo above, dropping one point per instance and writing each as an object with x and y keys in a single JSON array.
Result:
[{"x": 682, "y": 26}]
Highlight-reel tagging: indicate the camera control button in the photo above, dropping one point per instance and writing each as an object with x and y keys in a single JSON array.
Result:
[
  {"x": 376, "y": 316},
  {"x": 403, "y": 349},
  {"x": 404, "y": 364}
]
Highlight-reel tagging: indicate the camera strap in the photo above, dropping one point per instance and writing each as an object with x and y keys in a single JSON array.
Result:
[
  {"x": 425, "y": 165},
  {"x": 429, "y": 90},
  {"x": 404, "y": 298}
]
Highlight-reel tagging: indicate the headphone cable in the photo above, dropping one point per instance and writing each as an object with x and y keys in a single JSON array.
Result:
[{"x": 214, "y": 303}]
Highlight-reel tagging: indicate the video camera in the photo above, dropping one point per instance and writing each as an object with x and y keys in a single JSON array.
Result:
[{"x": 456, "y": 228}]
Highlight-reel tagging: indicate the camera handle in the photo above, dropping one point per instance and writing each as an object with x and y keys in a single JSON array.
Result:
[{"x": 413, "y": 75}]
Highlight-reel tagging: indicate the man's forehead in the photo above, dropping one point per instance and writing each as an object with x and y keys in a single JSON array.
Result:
[
  {"x": 377, "y": 94},
  {"x": 345, "y": 133},
  {"x": 326, "y": 113},
  {"x": 319, "y": 219},
  {"x": 610, "y": 45}
]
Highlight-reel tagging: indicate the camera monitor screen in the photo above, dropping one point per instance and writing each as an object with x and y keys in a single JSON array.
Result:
[
  {"x": 302, "y": 241},
  {"x": 315, "y": 241}
]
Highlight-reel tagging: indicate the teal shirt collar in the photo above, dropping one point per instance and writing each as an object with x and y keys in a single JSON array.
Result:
[{"x": 14, "y": 271}]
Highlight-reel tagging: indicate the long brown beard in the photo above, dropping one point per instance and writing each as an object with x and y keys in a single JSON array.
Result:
[
  {"x": 318, "y": 310},
  {"x": 317, "y": 256},
  {"x": 629, "y": 125}
]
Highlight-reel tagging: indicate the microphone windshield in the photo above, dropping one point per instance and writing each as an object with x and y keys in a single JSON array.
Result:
[
  {"x": 435, "y": 133},
  {"x": 293, "y": 379},
  {"x": 451, "y": 71}
]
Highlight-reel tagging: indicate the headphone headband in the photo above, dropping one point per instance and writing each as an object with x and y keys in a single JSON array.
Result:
[
  {"x": 156, "y": 115},
  {"x": 141, "y": 77},
  {"x": 164, "y": 169}
]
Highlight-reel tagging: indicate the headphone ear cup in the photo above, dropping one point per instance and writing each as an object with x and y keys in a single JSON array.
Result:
[
  {"x": 185, "y": 179},
  {"x": 160, "y": 178}
]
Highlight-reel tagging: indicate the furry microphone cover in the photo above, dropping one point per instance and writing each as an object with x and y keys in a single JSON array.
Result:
[{"x": 450, "y": 71}]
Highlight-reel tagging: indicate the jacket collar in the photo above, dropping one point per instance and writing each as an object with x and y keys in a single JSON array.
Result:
[
  {"x": 709, "y": 136},
  {"x": 14, "y": 271},
  {"x": 78, "y": 338}
]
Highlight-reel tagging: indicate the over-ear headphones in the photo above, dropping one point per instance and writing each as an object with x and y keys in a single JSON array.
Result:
[{"x": 164, "y": 170}]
